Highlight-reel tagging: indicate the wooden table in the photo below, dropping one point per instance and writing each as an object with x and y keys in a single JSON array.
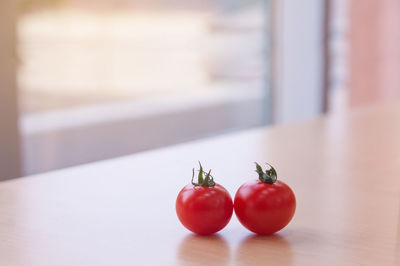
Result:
[{"x": 344, "y": 169}]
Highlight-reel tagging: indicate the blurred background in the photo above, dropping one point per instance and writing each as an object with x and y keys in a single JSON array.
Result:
[{"x": 82, "y": 81}]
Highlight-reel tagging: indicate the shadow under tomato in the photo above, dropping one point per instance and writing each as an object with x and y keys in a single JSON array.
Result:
[
  {"x": 264, "y": 250},
  {"x": 203, "y": 250}
]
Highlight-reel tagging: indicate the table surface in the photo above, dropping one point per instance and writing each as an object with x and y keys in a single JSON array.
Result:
[{"x": 344, "y": 170}]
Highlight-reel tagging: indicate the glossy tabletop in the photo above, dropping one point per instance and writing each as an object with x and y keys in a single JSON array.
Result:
[{"x": 344, "y": 170}]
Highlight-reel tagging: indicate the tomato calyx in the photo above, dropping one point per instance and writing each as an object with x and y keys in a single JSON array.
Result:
[
  {"x": 269, "y": 176},
  {"x": 203, "y": 181}
]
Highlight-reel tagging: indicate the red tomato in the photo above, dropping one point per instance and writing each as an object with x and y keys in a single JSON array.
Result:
[
  {"x": 204, "y": 207},
  {"x": 265, "y": 206}
]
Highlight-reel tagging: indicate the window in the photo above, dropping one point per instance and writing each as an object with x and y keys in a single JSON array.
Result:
[{"x": 100, "y": 79}]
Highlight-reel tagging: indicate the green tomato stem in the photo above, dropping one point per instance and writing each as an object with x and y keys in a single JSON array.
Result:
[
  {"x": 206, "y": 181},
  {"x": 267, "y": 177}
]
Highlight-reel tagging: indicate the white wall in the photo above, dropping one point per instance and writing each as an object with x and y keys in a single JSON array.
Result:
[
  {"x": 69, "y": 137},
  {"x": 299, "y": 62}
]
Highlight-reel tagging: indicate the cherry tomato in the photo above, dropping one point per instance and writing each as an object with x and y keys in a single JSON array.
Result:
[
  {"x": 266, "y": 205},
  {"x": 204, "y": 207}
]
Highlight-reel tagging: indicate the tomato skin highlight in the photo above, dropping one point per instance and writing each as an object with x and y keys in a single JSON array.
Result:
[
  {"x": 204, "y": 210},
  {"x": 264, "y": 208}
]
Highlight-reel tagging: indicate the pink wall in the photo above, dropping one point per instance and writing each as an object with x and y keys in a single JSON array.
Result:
[{"x": 374, "y": 51}]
